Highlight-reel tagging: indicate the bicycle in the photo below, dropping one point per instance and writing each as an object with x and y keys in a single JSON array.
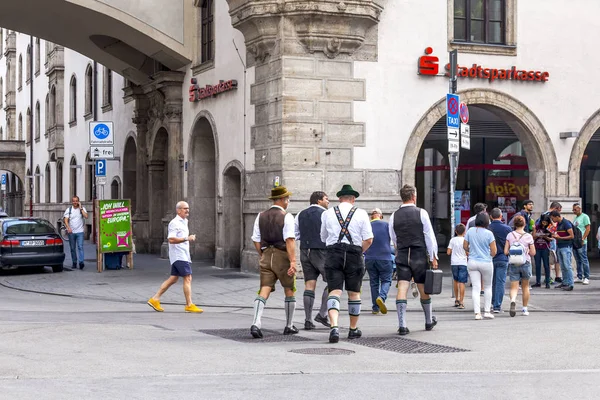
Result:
[{"x": 62, "y": 230}]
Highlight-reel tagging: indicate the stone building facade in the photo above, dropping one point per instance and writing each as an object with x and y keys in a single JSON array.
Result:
[{"x": 321, "y": 93}]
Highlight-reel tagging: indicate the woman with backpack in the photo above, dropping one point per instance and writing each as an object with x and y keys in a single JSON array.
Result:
[{"x": 519, "y": 248}]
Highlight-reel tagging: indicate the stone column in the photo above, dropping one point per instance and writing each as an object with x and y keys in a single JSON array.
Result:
[
  {"x": 303, "y": 53},
  {"x": 141, "y": 228}
]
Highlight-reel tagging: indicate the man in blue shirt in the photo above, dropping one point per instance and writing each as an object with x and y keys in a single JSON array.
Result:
[
  {"x": 378, "y": 260},
  {"x": 500, "y": 231}
]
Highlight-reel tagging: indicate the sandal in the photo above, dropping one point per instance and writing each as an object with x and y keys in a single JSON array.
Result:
[
  {"x": 461, "y": 306},
  {"x": 456, "y": 303}
]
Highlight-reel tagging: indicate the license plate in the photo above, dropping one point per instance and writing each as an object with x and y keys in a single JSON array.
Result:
[{"x": 32, "y": 243}]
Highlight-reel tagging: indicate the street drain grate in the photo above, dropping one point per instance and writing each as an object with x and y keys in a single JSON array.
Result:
[
  {"x": 405, "y": 346},
  {"x": 233, "y": 276},
  {"x": 323, "y": 351},
  {"x": 244, "y": 336}
]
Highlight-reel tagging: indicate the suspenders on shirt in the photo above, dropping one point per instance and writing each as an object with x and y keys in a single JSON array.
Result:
[{"x": 344, "y": 224}]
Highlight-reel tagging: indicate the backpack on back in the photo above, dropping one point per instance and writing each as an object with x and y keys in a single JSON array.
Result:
[
  {"x": 517, "y": 253},
  {"x": 577, "y": 238}
]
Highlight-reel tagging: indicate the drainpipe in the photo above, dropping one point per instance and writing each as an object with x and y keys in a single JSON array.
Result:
[
  {"x": 95, "y": 118},
  {"x": 31, "y": 61}
]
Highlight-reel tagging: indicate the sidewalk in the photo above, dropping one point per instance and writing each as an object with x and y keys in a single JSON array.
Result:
[{"x": 216, "y": 287}]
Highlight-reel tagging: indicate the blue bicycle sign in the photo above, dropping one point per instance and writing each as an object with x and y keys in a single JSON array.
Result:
[{"x": 101, "y": 133}]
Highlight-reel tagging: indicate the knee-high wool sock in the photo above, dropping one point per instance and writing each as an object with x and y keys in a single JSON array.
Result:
[
  {"x": 290, "y": 307},
  {"x": 354, "y": 307},
  {"x": 309, "y": 302},
  {"x": 323, "y": 310},
  {"x": 426, "y": 304},
  {"x": 259, "y": 306},
  {"x": 401, "y": 310}
]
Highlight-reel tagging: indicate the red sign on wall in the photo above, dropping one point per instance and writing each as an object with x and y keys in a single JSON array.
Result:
[{"x": 198, "y": 93}]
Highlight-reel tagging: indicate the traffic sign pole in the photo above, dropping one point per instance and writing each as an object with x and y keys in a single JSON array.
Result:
[{"x": 453, "y": 156}]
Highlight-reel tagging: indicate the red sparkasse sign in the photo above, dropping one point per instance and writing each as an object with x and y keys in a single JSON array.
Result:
[
  {"x": 428, "y": 65},
  {"x": 198, "y": 93}
]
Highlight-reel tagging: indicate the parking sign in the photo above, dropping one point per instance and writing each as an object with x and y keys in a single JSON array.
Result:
[
  {"x": 100, "y": 167},
  {"x": 452, "y": 108}
]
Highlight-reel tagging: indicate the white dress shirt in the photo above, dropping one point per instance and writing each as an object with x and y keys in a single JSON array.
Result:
[
  {"x": 288, "y": 227},
  {"x": 178, "y": 228},
  {"x": 76, "y": 220},
  {"x": 297, "y": 220},
  {"x": 430, "y": 240},
  {"x": 359, "y": 228}
]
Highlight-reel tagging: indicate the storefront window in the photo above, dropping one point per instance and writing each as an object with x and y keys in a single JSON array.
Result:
[
  {"x": 590, "y": 186},
  {"x": 479, "y": 21}
]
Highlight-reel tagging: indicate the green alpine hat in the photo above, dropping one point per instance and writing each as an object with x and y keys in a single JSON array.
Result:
[{"x": 347, "y": 190}]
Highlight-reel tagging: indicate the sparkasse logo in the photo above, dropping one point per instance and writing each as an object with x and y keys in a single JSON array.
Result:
[{"x": 428, "y": 65}]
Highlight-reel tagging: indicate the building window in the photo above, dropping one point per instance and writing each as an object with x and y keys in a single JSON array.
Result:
[
  {"x": 482, "y": 26},
  {"x": 47, "y": 113},
  {"x": 208, "y": 37},
  {"x": 107, "y": 90},
  {"x": 20, "y": 127},
  {"x": 47, "y": 182},
  {"x": 115, "y": 189},
  {"x": 1, "y": 134},
  {"x": 1, "y": 89},
  {"x": 52, "y": 110},
  {"x": 37, "y": 184},
  {"x": 88, "y": 91},
  {"x": 28, "y": 125},
  {"x": 89, "y": 178},
  {"x": 28, "y": 65},
  {"x": 73, "y": 177},
  {"x": 37, "y": 56},
  {"x": 1, "y": 42},
  {"x": 20, "y": 71},
  {"x": 59, "y": 181},
  {"x": 73, "y": 101},
  {"x": 37, "y": 120}
]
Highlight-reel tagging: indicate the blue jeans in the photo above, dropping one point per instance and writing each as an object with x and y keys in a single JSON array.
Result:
[
  {"x": 542, "y": 256},
  {"x": 498, "y": 283},
  {"x": 564, "y": 259},
  {"x": 76, "y": 239},
  {"x": 380, "y": 276},
  {"x": 583, "y": 264}
]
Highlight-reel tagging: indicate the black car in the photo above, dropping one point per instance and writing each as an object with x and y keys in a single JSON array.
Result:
[{"x": 30, "y": 243}]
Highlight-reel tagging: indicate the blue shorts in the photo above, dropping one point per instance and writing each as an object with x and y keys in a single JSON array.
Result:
[
  {"x": 460, "y": 273},
  {"x": 517, "y": 273},
  {"x": 181, "y": 268}
]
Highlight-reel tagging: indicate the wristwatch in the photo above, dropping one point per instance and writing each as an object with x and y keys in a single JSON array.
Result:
[{"x": 185, "y": 239}]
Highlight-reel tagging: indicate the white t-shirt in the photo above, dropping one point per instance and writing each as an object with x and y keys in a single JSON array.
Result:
[
  {"x": 178, "y": 228},
  {"x": 76, "y": 220},
  {"x": 459, "y": 257}
]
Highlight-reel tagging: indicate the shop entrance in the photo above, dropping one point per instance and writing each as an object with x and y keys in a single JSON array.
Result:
[
  {"x": 590, "y": 186},
  {"x": 494, "y": 171}
]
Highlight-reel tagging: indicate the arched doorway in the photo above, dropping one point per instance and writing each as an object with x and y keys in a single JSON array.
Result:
[
  {"x": 129, "y": 172},
  {"x": 12, "y": 199},
  {"x": 229, "y": 249},
  {"x": 202, "y": 188},
  {"x": 158, "y": 189},
  {"x": 508, "y": 154}
]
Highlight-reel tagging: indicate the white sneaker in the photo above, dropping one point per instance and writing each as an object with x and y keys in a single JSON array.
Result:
[
  {"x": 577, "y": 280},
  {"x": 586, "y": 281},
  {"x": 525, "y": 312},
  {"x": 488, "y": 315},
  {"x": 478, "y": 316}
]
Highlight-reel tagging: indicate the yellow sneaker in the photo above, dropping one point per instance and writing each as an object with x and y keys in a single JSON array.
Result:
[
  {"x": 156, "y": 305},
  {"x": 381, "y": 305},
  {"x": 193, "y": 308}
]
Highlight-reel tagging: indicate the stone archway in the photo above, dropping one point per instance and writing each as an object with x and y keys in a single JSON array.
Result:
[
  {"x": 12, "y": 199},
  {"x": 202, "y": 188},
  {"x": 543, "y": 167},
  {"x": 229, "y": 248},
  {"x": 158, "y": 185},
  {"x": 129, "y": 172},
  {"x": 591, "y": 126}
]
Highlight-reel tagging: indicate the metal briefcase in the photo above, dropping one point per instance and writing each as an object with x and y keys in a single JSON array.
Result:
[{"x": 433, "y": 281}]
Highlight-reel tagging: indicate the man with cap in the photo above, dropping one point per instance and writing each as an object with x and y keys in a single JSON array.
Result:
[
  {"x": 416, "y": 246},
  {"x": 312, "y": 256},
  {"x": 274, "y": 239},
  {"x": 379, "y": 262},
  {"x": 346, "y": 231}
]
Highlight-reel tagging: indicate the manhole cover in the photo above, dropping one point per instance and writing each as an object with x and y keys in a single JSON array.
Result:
[
  {"x": 233, "y": 276},
  {"x": 323, "y": 351},
  {"x": 243, "y": 335},
  {"x": 406, "y": 346}
]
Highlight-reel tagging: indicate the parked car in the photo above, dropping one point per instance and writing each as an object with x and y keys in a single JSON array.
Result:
[
  {"x": 30, "y": 243},
  {"x": 3, "y": 214}
]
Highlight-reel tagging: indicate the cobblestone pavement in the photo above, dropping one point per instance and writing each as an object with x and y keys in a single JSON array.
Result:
[{"x": 213, "y": 287}]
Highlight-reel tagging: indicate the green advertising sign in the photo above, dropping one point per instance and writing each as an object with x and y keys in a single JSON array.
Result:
[{"x": 115, "y": 226}]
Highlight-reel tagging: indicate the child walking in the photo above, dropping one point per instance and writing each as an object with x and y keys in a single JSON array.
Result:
[{"x": 458, "y": 261}]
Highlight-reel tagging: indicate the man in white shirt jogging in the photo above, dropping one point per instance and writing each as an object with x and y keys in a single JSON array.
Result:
[
  {"x": 347, "y": 233},
  {"x": 74, "y": 219},
  {"x": 180, "y": 259}
]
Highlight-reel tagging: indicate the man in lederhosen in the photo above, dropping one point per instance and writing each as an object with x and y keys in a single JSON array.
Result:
[
  {"x": 312, "y": 256},
  {"x": 274, "y": 239},
  {"x": 416, "y": 245},
  {"x": 346, "y": 230}
]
